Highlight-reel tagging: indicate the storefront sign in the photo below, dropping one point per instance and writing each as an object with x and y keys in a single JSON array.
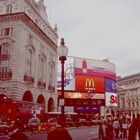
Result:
[
  {"x": 89, "y": 84},
  {"x": 111, "y": 99}
]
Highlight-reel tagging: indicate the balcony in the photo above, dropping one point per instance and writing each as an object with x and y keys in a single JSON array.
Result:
[
  {"x": 28, "y": 79},
  {"x": 41, "y": 84},
  {"x": 51, "y": 88},
  {"x": 5, "y": 57},
  {"x": 5, "y": 74}
]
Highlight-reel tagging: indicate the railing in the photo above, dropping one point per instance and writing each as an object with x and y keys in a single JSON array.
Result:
[
  {"x": 5, "y": 57},
  {"x": 28, "y": 79},
  {"x": 5, "y": 74},
  {"x": 41, "y": 84}
]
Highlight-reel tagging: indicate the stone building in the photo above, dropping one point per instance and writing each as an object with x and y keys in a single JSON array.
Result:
[
  {"x": 28, "y": 53},
  {"x": 129, "y": 95}
]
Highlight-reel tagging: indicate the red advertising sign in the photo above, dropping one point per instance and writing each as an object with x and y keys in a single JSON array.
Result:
[{"x": 89, "y": 84}]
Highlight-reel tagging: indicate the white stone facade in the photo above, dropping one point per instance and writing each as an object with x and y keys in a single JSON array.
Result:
[
  {"x": 28, "y": 53},
  {"x": 129, "y": 95}
]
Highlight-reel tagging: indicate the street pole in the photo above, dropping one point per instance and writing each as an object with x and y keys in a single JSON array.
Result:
[
  {"x": 62, "y": 53},
  {"x": 62, "y": 59}
]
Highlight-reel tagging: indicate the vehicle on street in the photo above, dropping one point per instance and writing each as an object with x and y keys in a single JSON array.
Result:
[
  {"x": 82, "y": 122},
  {"x": 51, "y": 123},
  {"x": 4, "y": 129},
  {"x": 69, "y": 122},
  {"x": 33, "y": 124}
]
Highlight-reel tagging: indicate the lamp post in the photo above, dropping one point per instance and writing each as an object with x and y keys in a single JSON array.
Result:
[{"x": 62, "y": 53}]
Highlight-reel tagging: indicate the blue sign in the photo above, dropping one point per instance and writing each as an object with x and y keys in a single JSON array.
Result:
[
  {"x": 110, "y": 85},
  {"x": 95, "y": 109}
]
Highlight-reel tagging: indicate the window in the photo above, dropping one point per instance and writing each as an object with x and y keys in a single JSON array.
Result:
[
  {"x": 129, "y": 104},
  {"x": 51, "y": 73},
  {"x": 9, "y": 8},
  {"x": 30, "y": 39},
  {"x": 8, "y": 31},
  {"x": 5, "y": 60},
  {"x": 137, "y": 103},
  {"x": 41, "y": 68},
  {"x": 29, "y": 63}
]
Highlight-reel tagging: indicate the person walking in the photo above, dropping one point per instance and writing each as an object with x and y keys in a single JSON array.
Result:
[
  {"x": 124, "y": 127},
  {"x": 116, "y": 127},
  {"x": 133, "y": 129},
  {"x": 101, "y": 131},
  {"x": 109, "y": 131}
]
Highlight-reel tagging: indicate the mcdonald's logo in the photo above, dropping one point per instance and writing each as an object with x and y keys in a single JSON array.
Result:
[{"x": 89, "y": 83}]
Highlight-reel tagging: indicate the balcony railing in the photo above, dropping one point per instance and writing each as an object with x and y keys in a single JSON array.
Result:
[
  {"x": 5, "y": 57},
  {"x": 41, "y": 84},
  {"x": 5, "y": 74},
  {"x": 51, "y": 88},
  {"x": 28, "y": 79}
]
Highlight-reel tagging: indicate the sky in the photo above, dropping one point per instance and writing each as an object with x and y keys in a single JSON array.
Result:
[{"x": 100, "y": 29}]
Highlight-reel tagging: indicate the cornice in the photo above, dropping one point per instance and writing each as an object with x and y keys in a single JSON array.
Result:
[
  {"x": 27, "y": 20},
  {"x": 36, "y": 12},
  {"x": 130, "y": 77}
]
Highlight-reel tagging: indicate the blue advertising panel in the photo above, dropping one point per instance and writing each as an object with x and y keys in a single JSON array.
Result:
[
  {"x": 95, "y": 109},
  {"x": 69, "y": 72},
  {"x": 110, "y": 85}
]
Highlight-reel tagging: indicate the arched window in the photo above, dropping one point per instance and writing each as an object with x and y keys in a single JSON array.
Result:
[
  {"x": 41, "y": 69},
  {"x": 51, "y": 73},
  {"x": 29, "y": 63},
  {"x": 9, "y": 8}
]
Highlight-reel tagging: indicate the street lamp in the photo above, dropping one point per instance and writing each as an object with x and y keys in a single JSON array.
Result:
[{"x": 62, "y": 53}]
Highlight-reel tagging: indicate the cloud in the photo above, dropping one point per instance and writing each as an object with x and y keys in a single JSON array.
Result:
[{"x": 100, "y": 29}]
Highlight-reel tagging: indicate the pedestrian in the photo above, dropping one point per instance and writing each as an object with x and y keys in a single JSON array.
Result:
[
  {"x": 124, "y": 127},
  {"x": 133, "y": 129},
  {"x": 116, "y": 127},
  {"x": 121, "y": 129},
  {"x": 59, "y": 133},
  {"x": 101, "y": 131},
  {"x": 109, "y": 131}
]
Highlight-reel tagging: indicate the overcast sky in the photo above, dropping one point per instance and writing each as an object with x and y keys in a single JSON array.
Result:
[{"x": 99, "y": 29}]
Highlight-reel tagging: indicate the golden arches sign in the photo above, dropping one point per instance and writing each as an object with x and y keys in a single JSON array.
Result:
[{"x": 89, "y": 83}]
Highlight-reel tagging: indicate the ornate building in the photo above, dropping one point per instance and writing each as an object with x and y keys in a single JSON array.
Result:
[
  {"x": 28, "y": 53},
  {"x": 129, "y": 95}
]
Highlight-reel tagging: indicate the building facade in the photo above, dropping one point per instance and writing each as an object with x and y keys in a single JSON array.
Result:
[
  {"x": 28, "y": 53},
  {"x": 129, "y": 95}
]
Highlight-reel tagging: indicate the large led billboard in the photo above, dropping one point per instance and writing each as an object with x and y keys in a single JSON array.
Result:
[
  {"x": 111, "y": 99},
  {"x": 69, "y": 73},
  {"x": 80, "y": 95},
  {"x": 110, "y": 85},
  {"x": 94, "y": 67},
  {"x": 89, "y": 84}
]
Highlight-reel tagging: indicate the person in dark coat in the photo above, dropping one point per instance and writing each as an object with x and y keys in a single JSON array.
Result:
[
  {"x": 133, "y": 129},
  {"x": 101, "y": 132},
  {"x": 59, "y": 133},
  {"x": 109, "y": 131}
]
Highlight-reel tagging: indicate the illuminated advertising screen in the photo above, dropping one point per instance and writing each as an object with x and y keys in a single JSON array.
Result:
[
  {"x": 80, "y": 95},
  {"x": 110, "y": 85},
  {"x": 111, "y": 99},
  {"x": 69, "y": 80},
  {"x": 94, "y": 67},
  {"x": 89, "y": 84}
]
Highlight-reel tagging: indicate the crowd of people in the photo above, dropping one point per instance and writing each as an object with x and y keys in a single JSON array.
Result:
[{"x": 119, "y": 128}]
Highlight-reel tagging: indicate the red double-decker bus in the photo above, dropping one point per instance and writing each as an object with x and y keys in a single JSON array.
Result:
[{"x": 11, "y": 109}]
